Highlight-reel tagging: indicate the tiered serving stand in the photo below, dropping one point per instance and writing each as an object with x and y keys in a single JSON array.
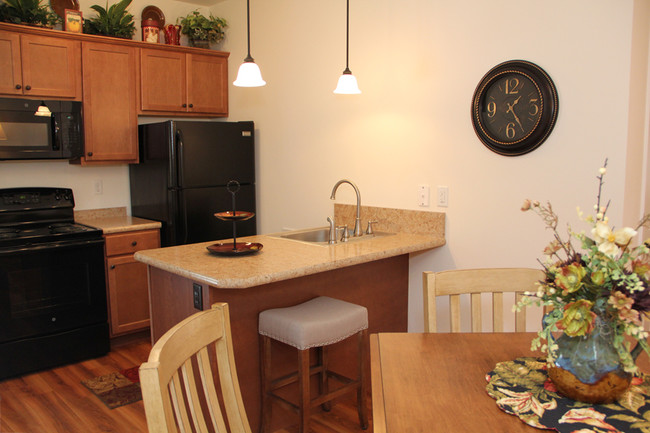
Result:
[{"x": 234, "y": 248}]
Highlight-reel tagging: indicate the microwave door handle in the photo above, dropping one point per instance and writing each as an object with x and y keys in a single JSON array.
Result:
[{"x": 56, "y": 132}]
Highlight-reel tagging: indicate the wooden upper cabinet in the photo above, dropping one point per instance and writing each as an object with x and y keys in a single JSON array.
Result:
[
  {"x": 162, "y": 80},
  {"x": 183, "y": 83},
  {"x": 11, "y": 77},
  {"x": 41, "y": 66},
  {"x": 110, "y": 103},
  {"x": 207, "y": 84}
]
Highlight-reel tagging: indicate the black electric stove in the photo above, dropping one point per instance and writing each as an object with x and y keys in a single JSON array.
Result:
[{"x": 52, "y": 283}]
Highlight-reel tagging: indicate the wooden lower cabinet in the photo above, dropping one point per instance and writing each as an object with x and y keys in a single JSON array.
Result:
[{"x": 126, "y": 280}]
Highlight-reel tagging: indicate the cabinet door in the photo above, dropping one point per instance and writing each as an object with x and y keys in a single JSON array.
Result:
[
  {"x": 11, "y": 80},
  {"x": 110, "y": 103},
  {"x": 162, "y": 80},
  {"x": 207, "y": 83},
  {"x": 51, "y": 67},
  {"x": 127, "y": 294}
]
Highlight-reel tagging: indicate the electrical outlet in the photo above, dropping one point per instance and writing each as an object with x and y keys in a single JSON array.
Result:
[
  {"x": 197, "y": 294},
  {"x": 443, "y": 196},
  {"x": 98, "y": 187}
]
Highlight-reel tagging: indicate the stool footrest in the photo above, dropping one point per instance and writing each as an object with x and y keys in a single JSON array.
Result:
[
  {"x": 290, "y": 378},
  {"x": 349, "y": 384}
]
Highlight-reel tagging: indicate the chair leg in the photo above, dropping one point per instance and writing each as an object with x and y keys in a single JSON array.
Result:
[
  {"x": 324, "y": 382},
  {"x": 265, "y": 361},
  {"x": 305, "y": 393},
  {"x": 361, "y": 391}
]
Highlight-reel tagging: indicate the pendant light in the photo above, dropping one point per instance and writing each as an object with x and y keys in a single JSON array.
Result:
[
  {"x": 42, "y": 110},
  {"x": 347, "y": 84},
  {"x": 249, "y": 74}
]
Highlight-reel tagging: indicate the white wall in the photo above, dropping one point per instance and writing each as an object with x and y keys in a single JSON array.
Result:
[{"x": 418, "y": 63}]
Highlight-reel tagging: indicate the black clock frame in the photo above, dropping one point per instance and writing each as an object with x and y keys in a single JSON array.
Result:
[{"x": 547, "y": 118}]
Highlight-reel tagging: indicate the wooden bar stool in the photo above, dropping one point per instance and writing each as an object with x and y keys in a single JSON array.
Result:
[{"x": 313, "y": 324}]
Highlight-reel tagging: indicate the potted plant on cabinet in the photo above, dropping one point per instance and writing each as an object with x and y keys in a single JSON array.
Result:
[
  {"x": 111, "y": 21},
  {"x": 202, "y": 30},
  {"x": 29, "y": 12}
]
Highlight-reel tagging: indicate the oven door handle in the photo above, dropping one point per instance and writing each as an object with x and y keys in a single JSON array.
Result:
[{"x": 50, "y": 246}]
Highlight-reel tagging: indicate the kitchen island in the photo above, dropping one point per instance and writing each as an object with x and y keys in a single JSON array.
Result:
[{"x": 372, "y": 272}]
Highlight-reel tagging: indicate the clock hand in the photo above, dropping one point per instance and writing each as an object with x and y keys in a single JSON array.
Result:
[{"x": 512, "y": 110}]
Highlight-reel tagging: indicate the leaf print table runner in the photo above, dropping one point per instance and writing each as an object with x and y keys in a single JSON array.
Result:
[{"x": 522, "y": 388}]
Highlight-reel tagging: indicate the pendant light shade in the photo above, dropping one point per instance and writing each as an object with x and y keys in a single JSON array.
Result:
[
  {"x": 347, "y": 84},
  {"x": 249, "y": 74}
]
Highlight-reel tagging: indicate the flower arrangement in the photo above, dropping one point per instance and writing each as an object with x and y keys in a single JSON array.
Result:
[{"x": 606, "y": 279}]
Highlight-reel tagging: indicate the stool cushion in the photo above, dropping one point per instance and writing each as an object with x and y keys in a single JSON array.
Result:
[{"x": 315, "y": 323}]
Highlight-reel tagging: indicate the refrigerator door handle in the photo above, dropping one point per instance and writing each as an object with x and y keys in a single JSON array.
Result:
[
  {"x": 183, "y": 217},
  {"x": 180, "y": 152}
]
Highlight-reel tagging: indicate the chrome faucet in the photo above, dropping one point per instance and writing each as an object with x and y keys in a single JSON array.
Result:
[{"x": 357, "y": 222}]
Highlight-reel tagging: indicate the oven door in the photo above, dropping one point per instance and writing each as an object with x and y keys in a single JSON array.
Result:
[{"x": 51, "y": 288}]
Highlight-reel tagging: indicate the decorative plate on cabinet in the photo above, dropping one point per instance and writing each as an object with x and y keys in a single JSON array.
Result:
[
  {"x": 59, "y": 6},
  {"x": 154, "y": 13}
]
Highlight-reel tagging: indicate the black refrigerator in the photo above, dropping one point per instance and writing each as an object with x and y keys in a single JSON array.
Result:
[{"x": 182, "y": 178}]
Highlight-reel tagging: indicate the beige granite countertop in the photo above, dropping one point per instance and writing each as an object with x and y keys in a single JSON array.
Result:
[
  {"x": 114, "y": 220},
  {"x": 282, "y": 259}
]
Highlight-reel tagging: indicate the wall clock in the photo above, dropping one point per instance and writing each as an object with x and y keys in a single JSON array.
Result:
[{"x": 514, "y": 108}]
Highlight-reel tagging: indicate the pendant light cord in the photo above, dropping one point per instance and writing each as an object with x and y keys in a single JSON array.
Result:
[
  {"x": 248, "y": 31},
  {"x": 347, "y": 37}
]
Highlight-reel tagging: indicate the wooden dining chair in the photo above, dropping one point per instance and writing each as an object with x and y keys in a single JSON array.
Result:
[
  {"x": 474, "y": 282},
  {"x": 178, "y": 362}
]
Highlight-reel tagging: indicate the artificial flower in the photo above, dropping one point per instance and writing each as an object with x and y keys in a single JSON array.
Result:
[
  {"x": 609, "y": 241},
  {"x": 578, "y": 318},
  {"x": 569, "y": 278}
]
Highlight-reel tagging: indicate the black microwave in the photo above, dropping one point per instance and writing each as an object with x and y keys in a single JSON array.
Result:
[{"x": 25, "y": 135}]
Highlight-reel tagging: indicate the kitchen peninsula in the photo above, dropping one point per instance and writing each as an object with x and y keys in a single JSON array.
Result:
[{"x": 372, "y": 272}]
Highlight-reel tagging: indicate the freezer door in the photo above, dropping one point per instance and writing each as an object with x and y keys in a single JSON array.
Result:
[
  {"x": 198, "y": 206},
  {"x": 213, "y": 153}
]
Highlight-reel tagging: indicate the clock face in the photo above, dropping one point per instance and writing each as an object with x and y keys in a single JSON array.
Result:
[{"x": 514, "y": 108}]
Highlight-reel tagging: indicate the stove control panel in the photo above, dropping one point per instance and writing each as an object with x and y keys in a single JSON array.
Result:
[{"x": 19, "y": 199}]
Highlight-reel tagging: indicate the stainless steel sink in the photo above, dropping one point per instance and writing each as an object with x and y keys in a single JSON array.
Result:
[{"x": 320, "y": 236}]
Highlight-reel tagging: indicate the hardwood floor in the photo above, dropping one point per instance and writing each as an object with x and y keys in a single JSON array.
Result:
[{"x": 55, "y": 401}]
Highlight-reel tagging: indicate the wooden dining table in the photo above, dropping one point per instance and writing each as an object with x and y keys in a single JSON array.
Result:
[{"x": 436, "y": 382}]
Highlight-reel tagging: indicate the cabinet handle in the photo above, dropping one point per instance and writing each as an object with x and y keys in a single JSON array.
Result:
[
  {"x": 134, "y": 243},
  {"x": 28, "y": 87},
  {"x": 112, "y": 266},
  {"x": 90, "y": 154},
  {"x": 191, "y": 105},
  {"x": 18, "y": 86},
  {"x": 184, "y": 105}
]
